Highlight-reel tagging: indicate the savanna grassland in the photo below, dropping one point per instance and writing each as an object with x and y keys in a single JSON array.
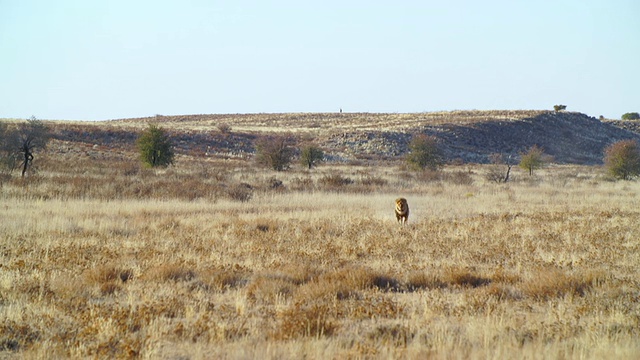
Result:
[{"x": 216, "y": 258}]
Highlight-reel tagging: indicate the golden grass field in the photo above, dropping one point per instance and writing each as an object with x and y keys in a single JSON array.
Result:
[{"x": 102, "y": 259}]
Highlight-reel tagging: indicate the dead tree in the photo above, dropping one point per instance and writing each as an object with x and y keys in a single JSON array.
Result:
[{"x": 496, "y": 172}]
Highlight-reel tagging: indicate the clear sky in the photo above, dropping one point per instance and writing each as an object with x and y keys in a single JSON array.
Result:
[{"x": 97, "y": 60}]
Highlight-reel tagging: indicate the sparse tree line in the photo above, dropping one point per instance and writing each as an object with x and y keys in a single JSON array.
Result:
[
  {"x": 622, "y": 159},
  {"x": 19, "y": 142}
]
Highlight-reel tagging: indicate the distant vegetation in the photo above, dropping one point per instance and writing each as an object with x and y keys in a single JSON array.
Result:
[
  {"x": 105, "y": 258},
  {"x": 18, "y": 143},
  {"x": 533, "y": 159},
  {"x": 622, "y": 159},
  {"x": 558, "y": 108},
  {"x": 275, "y": 151},
  {"x": 155, "y": 147},
  {"x": 631, "y": 116},
  {"x": 311, "y": 155},
  {"x": 424, "y": 153}
]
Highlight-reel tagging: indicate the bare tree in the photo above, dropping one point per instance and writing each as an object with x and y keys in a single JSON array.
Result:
[
  {"x": 25, "y": 139},
  {"x": 499, "y": 162}
]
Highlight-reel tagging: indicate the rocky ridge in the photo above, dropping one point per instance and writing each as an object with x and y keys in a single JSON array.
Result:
[{"x": 467, "y": 136}]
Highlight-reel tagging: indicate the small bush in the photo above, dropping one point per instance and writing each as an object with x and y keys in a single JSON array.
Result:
[
  {"x": 268, "y": 289},
  {"x": 631, "y": 116},
  {"x": 310, "y": 156},
  {"x": 107, "y": 273},
  {"x": 552, "y": 283},
  {"x": 429, "y": 176},
  {"x": 335, "y": 181},
  {"x": 171, "y": 272},
  {"x": 460, "y": 178},
  {"x": 302, "y": 184},
  {"x": 275, "y": 184},
  {"x": 533, "y": 159},
  {"x": 305, "y": 321},
  {"x": 465, "y": 278},
  {"x": 224, "y": 128},
  {"x": 240, "y": 192},
  {"x": 371, "y": 180},
  {"x": 424, "y": 280},
  {"x": 223, "y": 279}
]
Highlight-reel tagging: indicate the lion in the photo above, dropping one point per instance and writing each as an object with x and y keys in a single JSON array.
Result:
[{"x": 402, "y": 210}]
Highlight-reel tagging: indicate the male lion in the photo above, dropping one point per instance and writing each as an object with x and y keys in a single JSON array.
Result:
[{"x": 402, "y": 210}]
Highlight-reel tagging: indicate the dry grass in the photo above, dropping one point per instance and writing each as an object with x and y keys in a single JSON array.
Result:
[
  {"x": 99, "y": 260},
  {"x": 319, "y": 122}
]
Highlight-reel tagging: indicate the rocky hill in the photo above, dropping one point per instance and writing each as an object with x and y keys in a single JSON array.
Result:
[{"x": 468, "y": 136}]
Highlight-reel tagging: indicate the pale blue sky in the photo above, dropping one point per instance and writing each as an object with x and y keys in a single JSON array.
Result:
[{"x": 97, "y": 60}]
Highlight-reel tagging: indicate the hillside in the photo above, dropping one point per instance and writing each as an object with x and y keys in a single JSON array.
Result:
[{"x": 469, "y": 136}]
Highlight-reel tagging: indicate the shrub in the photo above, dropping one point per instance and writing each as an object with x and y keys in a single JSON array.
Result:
[
  {"x": 224, "y": 128},
  {"x": 335, "y": 180},
  {"x": 310, "y": 155},
  {"x": 371, "y": 180},
  {"x": 302, "y": 184},
  {"x": 558, "y": 108},
  {"x": 533, "y": 159},
  {"x": 622, "y": 159},
  {"x": 155, "y": 147},
  {"x": 460, "y": 178},
  {"x": 240, "y": 192},
  {"x": 274, "y": 152},
  {"x": 496, "y": 172},
  {"x": 631, "y": 116},
  {"x": 424, "y": 153}
]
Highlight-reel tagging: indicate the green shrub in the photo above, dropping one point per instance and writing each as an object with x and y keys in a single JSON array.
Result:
[
  {"x": 424, "y": 153},
  {"x": 622, "y": 159},
  {"x": 533, "y": 159},
  {"x": 155, "y": 147},
  {"x": 631, "y": 116},
  {"x": 310, "y": 155}
]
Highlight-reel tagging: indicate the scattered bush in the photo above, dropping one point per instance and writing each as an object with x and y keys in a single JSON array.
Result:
[
  {"x": 305, "y": 321},
  {"x": 631, "y": 116},
  {"x": 371, "y": 180},
  {"x": 274, "y": 152},
  {"x": 424, "y": 153},
  {"x": 240, "y": 192},
  {"x": 460, "y": 178},
  {"x": 533, "y": 159},
  {"x": 310, "y": 156},
  {"x": 274, "y": 183},
  {"x": 558, "y": 108},
  {"x": 335, "y": 181},
  {"x": 224, "y": 128},
  {"x": 550, "y": 283},
  {"x": 622, "y": 159},
  {"x": 302, "y": 184},
  {"x": 497, "y": 172}
]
